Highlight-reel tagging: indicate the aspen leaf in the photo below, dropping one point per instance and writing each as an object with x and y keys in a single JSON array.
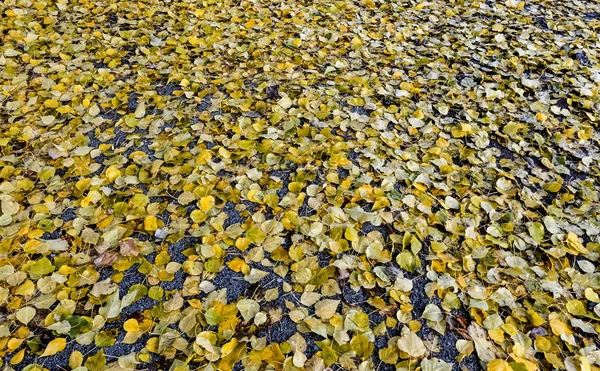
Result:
[
  {"x": 25, "y": 315},
  {"x": 411, "y": 344},
  {"x": 248, "y": 308},
  {"x": 54, "y": 346},
  {"x": 326, "y": 308}
]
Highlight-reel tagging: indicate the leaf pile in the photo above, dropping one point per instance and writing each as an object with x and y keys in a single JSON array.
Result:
[{"x": 289, "y": 185}]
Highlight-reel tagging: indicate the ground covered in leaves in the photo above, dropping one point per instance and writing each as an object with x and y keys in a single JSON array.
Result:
[{"x": 290, "y": 185}]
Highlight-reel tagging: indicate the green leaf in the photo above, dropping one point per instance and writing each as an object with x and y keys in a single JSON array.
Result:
[
  {"x": 41, "y": 267},
  {"x": 536, "y": 231},
  {"x": 213, "y": 316}
]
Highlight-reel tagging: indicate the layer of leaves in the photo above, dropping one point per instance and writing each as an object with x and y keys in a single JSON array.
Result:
[{"x": 324, "y": 157}]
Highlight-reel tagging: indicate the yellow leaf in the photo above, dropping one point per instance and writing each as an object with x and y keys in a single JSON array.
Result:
[
  {"x": 242, "y": 243},
  {"x": 540, "y": 116},
  {"x": 575, "y": 307},
  {"x": 151, "y": 223},
  {"x": 237, "y": 265},
  {"x": 326, "y": 308},
  {"x": 64, "y": 109},
  {"x": 497, "y": 335},
  {"x": 574, "y": 243},
  {"x": 18, "y": 357},
  {"x": 131, "y": 325},
  {"x": 251, "y": 195},
  {"x": 55, "y": 346},
  {"x": 51, "y": 103},
  {"x": 75, "y": 359},
  {"x": 351, "y": 234},
  {"x": 543, "y": 344},
  {"x": 585, "y": 364},
  {"x": 255, "y": 235},
  {"x": 530, "y": 366},
  {"x": 356, "y": 41},
  {"x": 198, "y": 216},
  {"x": 112, "y": 173},
  {"x": 591, "y": 295},
  {"x": 498, "y": 365},
  {"x": 14, "y": 344},
  {"x": 206, "y": 203},
  {"x": 559, "y": 327},
  {"x": 535, "y": 318},
  {"x": 296, "y": 42}
]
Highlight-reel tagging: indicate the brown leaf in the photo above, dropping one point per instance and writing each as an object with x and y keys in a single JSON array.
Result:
[
  {"x": 129, "y": 247},
  {"x": 105, "y": 259}
]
